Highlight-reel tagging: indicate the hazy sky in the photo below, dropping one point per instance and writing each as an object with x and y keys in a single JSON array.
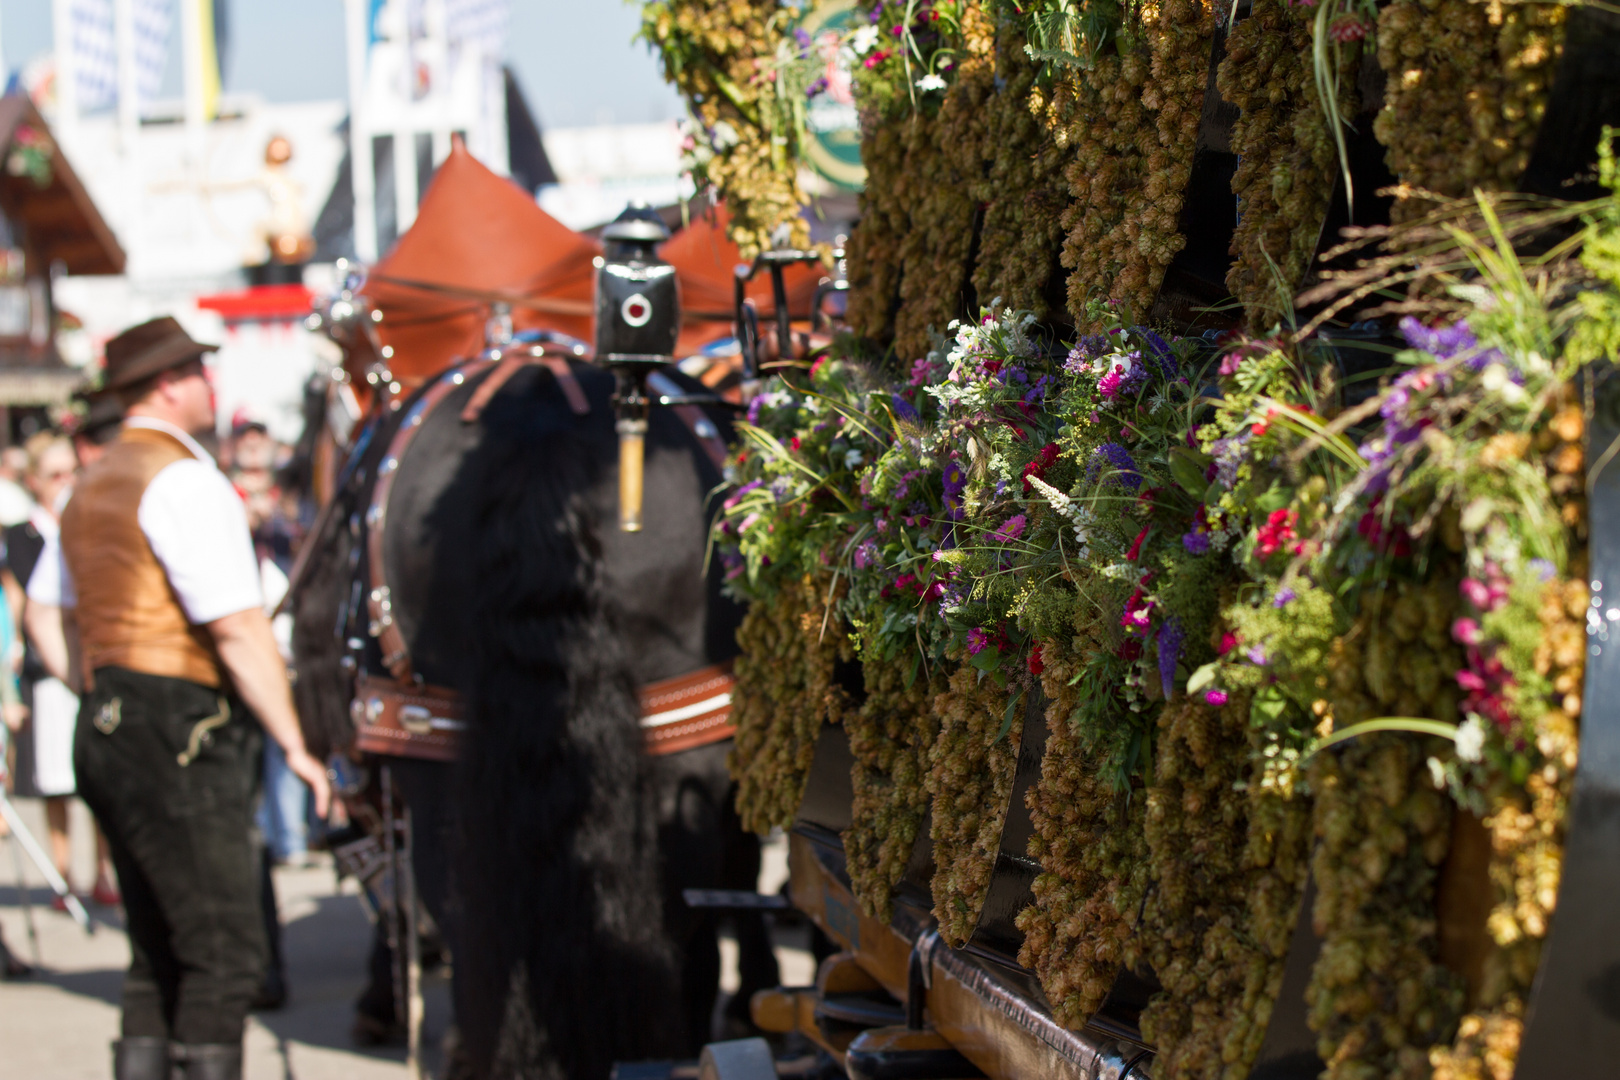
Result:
[{"x": 574, "y": 58}]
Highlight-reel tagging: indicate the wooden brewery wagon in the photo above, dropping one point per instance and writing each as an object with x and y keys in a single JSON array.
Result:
[{"x": 895, "y": 1000}]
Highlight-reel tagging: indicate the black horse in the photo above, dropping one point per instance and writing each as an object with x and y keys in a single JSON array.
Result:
[{"x": 554, "y": 851}]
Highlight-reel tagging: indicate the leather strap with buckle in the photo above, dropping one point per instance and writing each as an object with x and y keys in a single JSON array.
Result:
[
  {"x": 423, "y": 722},
  {"x": 426, "y": 722}
]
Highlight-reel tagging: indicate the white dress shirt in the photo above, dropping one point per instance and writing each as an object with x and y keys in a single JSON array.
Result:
[{"x": 197, "y": 527}]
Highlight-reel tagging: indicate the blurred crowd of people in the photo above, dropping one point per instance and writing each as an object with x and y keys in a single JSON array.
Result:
[{"x": 40, "y": 712}]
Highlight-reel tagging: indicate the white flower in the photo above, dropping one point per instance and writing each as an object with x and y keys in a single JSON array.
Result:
[
  {"x": 725, "y": 136},
  {"x": 930, "y": 82},
  {"x": 852, "y": 459},
  {"x": 864, "y": 39},
  {"x": 1471, "y": 738}
]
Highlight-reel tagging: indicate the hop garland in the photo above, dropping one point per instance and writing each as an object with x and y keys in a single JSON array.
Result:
[
  {"x": 785, "y": 692},
  {"x": 1286, "y": 157},
  {"x": 1022, "y": 190},
  {"x": 971, "y": 777},
  {"x": 1466, "y": 87},
  {"x": 721, "y": 55},
  {"x": 1090, "y": 842},
  {"x": 892, "y": 737},
  {"x": 1132, "y": 125},
  {"x": 1228, "y": 859}
]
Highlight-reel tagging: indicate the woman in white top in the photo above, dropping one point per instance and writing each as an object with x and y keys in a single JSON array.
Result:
[{"x": 55, "y": 711}]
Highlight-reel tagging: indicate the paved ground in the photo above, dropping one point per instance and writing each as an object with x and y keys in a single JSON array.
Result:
[{"x": 59, "y": 1024}]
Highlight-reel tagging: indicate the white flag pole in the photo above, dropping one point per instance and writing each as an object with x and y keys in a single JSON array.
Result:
[
  {"x": 362, "y": 170},
  {"x": 129, "y": 105},
  {"x": 67, "y": 88}
]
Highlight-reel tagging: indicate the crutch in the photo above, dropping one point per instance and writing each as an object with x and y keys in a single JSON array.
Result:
[
  {"x": 27, "y": 904},
  {"x": 20, "y": 832}
]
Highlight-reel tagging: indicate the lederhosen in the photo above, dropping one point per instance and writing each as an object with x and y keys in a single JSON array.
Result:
[{"x": 165, "y": 758}]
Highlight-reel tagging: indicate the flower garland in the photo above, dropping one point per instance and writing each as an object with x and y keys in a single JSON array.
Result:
[{"x": 1465, "y": 89}]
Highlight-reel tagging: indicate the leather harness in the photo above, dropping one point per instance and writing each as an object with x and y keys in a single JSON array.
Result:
[{"x": 404, "y": 717}]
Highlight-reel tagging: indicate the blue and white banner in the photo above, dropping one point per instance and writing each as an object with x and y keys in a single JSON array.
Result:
[
  {"x": 479, "y": 23},
  {"x": 95, "y": 49}
]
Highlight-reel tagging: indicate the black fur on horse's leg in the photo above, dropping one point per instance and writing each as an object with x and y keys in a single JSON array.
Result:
[{"x": 557, "y": 862}]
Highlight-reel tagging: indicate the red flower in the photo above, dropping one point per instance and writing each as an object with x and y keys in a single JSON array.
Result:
[
  {"x": 1045, "y": 458},
  {"x": 1136, "y": 548},
  {"x": 793, "y": 443},
  {"x": 1229, "y": 641},
  {"x": 1347, "y": 28},
  {"x": 1276, "y": 532},
  {"x": 1036, "y": 663}
]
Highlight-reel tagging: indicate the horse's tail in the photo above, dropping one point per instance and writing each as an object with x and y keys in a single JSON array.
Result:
[{"x": 562, "y": 964}]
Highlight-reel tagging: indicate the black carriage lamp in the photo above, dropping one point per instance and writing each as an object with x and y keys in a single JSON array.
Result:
[{"x": 638, "y": 318}]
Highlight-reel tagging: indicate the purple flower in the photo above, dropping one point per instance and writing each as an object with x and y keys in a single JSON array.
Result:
[
  {"x": 736, "y": 496},
  {"x": 903, "y": 409},
  {"x": 977, "y": 639},
  {"x": 817, "y": 87},
  {"x": 867, "y": 555},
  {"x": 754, "y": 408},
  {"x": 1113, "y": 456},
  {"x": 1440, "y": 342},
  {"x": 1284, "y": 597},
  {"x": 1230, "y": 454},
  {"x": 1256, "y": 655},
  {"x": 1171, "y": 637},
  {"x": 1543, "y": 570},
  {"x": 1196, "y": 543},
  {"x": 1160, "y": 351}
]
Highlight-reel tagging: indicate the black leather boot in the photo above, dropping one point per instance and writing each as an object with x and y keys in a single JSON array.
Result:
[
  {"x": 208, "y": 1061},
  {"x": 141, "y": 1057}
]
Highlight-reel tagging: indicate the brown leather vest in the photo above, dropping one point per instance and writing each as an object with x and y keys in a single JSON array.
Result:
[{"x": 128, "y": 614}]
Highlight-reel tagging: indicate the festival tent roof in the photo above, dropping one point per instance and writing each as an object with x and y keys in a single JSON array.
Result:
[
  {"x": 476, "y": 234},
  {"x": 705, "y": 262}
]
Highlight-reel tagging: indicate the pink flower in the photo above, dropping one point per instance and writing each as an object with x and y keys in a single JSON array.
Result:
[
  {"x": 1216, "y": 698},
  {"x": 1476, "y": 593},
  {"x": 977, "y": 639},
  {"x": 1011, "y": 529},
  {"x": 1229, "y": 641},
  {"x": 1465, "y": 632}
]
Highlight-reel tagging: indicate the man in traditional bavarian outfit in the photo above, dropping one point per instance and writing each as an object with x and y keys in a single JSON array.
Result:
[{"x": 156, "y": 588}]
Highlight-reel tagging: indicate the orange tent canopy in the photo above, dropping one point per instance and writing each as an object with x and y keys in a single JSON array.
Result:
[
  {"x": 705, "y": 262},
  {"x": 476, "y": 231}
]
